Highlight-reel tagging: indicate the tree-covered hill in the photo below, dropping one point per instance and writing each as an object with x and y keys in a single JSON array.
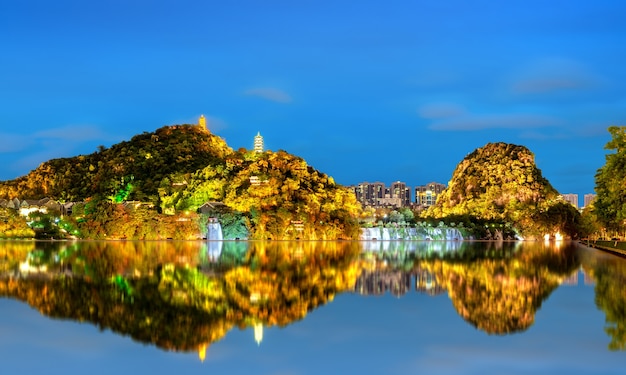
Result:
[
  {"x": 500, "y": 182},
  {"x": 171, "y": 174},
  {"x": 281, "y": 196},
  {"x": 131, "y": 169}
]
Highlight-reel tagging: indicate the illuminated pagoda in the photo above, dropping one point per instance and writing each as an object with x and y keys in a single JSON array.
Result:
[
  {"x": 202, "y": 123},
  {"x": 258, "y": 143}
]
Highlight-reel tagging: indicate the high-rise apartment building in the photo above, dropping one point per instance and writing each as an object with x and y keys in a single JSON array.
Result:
[
  {"x": 426, "y": 195},
  {"x": 588, "y": 199},
  {"x": 571, "y": 198},
  {"x": 375, "y": 194},
  {"x": 369, "y": 193},
  {"x": 401, "y": 191}
]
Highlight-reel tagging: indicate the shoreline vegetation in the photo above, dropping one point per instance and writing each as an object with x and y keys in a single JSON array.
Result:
[
  {"x": 613, "y": 247},
  {"x": 152, "y": 188}
]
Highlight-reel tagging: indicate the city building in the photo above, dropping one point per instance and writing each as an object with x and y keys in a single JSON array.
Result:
[
  {"x": 588, "y": 199},
  {"x": 258, "y": 143},
  {"x": 375, "y": 194},
  {"x": 401, "y": 191},
  {"x": 370, "y": 194},
  {"x": 571, "y": 198},
  {"x": 426, "y": 195}
]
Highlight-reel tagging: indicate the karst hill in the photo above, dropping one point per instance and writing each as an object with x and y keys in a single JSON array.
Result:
[
  {"x": 500, "y": 182},
  {"x": 177, "y": 171},
  {"x": 143, "y": 161}
]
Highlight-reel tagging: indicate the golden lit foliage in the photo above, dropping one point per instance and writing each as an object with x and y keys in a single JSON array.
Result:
[
  {"x": 13, "y": 225},
  {"x": 275, "y": 189},
  {"x": 147, "y": 158},
  {"x": 179, "y": 168},
  {"x": 501, "y": 295},
  {"x": 162, "y": 292},
  {"x": 500, "y": 182}
]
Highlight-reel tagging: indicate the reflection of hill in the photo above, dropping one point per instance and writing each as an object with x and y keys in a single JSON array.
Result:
[
  {"x": 495, "y": 286},
  {"x": 161, "y": 293},
  {"x": 172, "y": 295},
  {"x": 502, "y": 295},
  {"x": 146, "y": 319}
]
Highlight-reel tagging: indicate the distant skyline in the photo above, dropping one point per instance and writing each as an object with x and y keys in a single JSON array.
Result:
[{"x": 363, "y": 91}]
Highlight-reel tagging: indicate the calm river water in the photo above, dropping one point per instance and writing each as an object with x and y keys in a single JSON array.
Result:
[{"x": 311, "y": 308}]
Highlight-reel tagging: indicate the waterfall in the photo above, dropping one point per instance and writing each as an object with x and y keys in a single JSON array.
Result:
[
  {"x": 214, "y": 231},
  {"x": 403, "y": 233},
  {"x": 215, "y": 239}
]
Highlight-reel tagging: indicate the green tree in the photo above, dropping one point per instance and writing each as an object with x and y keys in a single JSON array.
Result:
[{"x": 610, "y": 204}]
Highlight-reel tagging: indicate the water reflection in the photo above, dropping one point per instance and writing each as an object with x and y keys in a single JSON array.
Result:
[
  {"x": 610, "y": 277},
  {"x": 177, "y": 295},
  {"x": 495, "y": 286},
  {"x": 187, "y": 295}
]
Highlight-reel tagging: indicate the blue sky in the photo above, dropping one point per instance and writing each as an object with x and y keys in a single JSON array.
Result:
[{"x": 364, "y": 91}]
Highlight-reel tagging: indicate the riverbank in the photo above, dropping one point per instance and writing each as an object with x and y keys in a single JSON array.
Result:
[{"x": 615, "y": 247}]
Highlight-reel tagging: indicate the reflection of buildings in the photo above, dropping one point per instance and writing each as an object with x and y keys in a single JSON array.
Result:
[
  {"x": 573, "y": 279},
  {"x": 397, "y": 282},
  {"x": 426, "y": 282},
  {"x": 381, "y": 281}
]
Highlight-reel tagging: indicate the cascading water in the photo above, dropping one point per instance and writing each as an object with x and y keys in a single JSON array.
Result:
[
  {"x": 215, "y": 239},
  {"x": 214, "y": 231},
  {"x": 422, "y": 233}
]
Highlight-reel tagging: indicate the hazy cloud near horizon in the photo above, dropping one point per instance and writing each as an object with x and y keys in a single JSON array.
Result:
[
  {"x": 472, "y": 122},
  {"x": 74, "y": 133},
  {"x": 551, "y": 75},
  {"x": 269, "y": 93},
  {"x": 440, "y": 110},
  {"x": 14, "y": 142}
]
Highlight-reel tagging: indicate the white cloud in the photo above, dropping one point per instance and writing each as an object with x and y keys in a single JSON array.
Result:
[
  {"x": 270, "y": 93},
  {"x": 553, "y": 75},
  {"x": 14, "y": 142},
  {"x": 215, "y": 124},
  {"x": 495, "y": 121},
  {"x": 76, "y": 133},
  {"x": 440, "y": 110},
  {"x": 549, "y": 84},
  {"x": 542, "y": 136}
]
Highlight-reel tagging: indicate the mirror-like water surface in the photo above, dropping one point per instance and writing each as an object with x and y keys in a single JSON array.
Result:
[{"x": 311, "y": 307}]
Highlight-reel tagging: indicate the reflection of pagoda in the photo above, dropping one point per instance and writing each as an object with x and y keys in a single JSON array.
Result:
[
  {"x": 258, "y": 332},
  {"x": 202, "y": 351}
]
